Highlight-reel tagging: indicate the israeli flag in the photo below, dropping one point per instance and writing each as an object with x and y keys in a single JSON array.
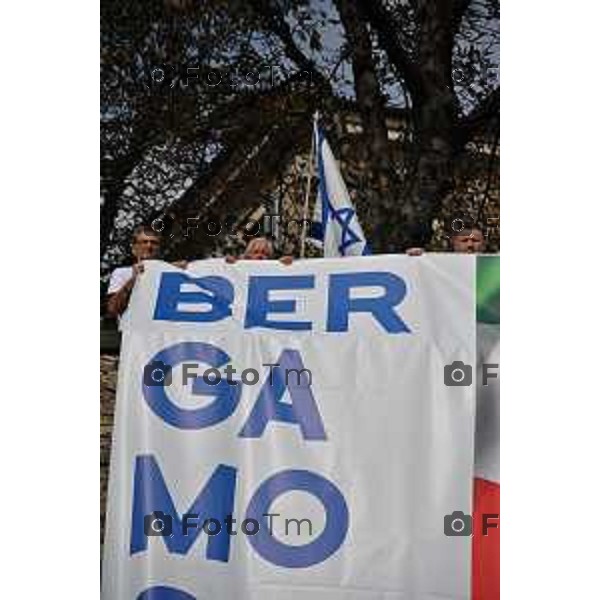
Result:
[{"x": 335, "y": 223}]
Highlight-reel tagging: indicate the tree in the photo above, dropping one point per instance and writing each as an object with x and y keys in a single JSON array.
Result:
[{"x": 205, "y": 103}]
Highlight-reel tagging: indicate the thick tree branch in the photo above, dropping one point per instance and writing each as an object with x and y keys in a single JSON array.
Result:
[
  {"x": 277, "y": 24},
  {"x": 114, "y": 174},
  {"x": 480, "y": 118},
  {"x": 458, "y": 12},
  {"x": 383, "y": 24},
  {"x": 257, "y": 140},
  {"x": 371, "y": 103}
]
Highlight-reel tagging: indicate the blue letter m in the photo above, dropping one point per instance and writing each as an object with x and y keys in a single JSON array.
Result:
[{"x": 150, "y": 494}]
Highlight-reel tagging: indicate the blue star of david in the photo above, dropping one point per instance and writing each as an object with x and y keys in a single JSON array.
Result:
[{"x": 344, "y": 217}]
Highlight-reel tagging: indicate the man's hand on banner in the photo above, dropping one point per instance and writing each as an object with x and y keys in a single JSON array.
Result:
[
  {"x": 415, "y": 251},
  {"x": 137, "y": 269}
]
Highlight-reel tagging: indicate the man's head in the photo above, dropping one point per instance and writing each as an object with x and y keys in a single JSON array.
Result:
[
  {"x": 468, "y": 241},
  {"x": 258, "y": 249},
  {"x": 145, "y": 244}
]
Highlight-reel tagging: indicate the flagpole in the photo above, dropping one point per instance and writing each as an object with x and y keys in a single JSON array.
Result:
[{"x": 308, "y": 185}]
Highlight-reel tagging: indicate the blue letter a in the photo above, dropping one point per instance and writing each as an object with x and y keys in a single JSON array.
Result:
[{"x": 301, "y": 411}]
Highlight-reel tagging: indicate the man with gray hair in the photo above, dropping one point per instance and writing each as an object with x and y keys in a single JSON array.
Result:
[
  {"x": 144, "y": 246},
  {"x": 260, "y": 248}
]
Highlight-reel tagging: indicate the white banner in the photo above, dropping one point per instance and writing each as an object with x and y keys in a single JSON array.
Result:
[{"x": 324, "y": 462}]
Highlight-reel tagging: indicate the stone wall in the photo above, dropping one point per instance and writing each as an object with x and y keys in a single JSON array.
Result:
[{"x": 108, "y": 387}]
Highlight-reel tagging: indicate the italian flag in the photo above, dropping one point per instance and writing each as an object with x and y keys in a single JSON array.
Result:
[{"x": 486, "y": 548}]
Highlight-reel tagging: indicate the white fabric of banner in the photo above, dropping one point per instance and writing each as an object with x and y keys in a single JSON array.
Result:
[{"x": 375, "y": 452}]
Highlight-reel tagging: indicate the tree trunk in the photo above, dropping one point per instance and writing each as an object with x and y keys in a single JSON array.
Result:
[
  {"x": 435, "y": 115},
  {"x": 375, "y": 153}
]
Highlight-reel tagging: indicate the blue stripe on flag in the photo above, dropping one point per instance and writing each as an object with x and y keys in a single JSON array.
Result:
[{"x": 325, "y": 206}]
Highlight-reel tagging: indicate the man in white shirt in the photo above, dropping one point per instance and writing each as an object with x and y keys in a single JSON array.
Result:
[{"x": 145, "y": 246}]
